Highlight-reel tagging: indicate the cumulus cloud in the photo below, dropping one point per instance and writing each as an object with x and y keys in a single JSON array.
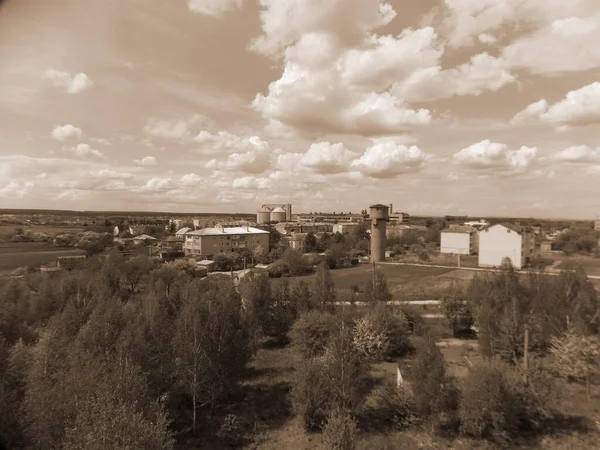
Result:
[
  {"x": 214, "y": 8},
  {"x": 254, "y": 161},
  {"x": 229, "y": 141},
  {"x": 64, "y": 132},
  {"x": 579, "y": 154},
  {"x": 190, "y": 179},
  {"x": 74, "y": 84},
  {"x": 17, "y": 189},
  {"x": 174, "y": 129},
  {"x": 158, "y": 184},
  {"x": 493, "y": 156},
  {"x": 146, "y": 161},
  {"x": 388, "y": 159},
  {"x": 86, "y": 151},
  {"x": 252, "y": 183},
  {"x": 325, "y": 157},
  {"x": 486, "y": 38},
  {"x": 579, "y": 107}
]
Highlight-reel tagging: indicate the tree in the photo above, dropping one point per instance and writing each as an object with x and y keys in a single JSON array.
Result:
[
  {"x": 310, "y": 242},
  {"x": 340, "y": 431},
  {"x": 323, "y": 288},
  {"x": 376, "y": 289},
  {"x": 576, "y": 357},
  {"x": 310, "y": 393},
  {"x": 311, "y": 332},
  {"x": 302, "y": 298},
  {"x": 457, "y": 311},
  {"x": 324, "y": 242},
  {"x": 134, "y": 271}
]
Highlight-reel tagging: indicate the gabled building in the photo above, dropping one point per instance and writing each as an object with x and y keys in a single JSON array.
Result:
[
  {"x": 503, "y": 240},
  {"x": 459, "y": 240}
]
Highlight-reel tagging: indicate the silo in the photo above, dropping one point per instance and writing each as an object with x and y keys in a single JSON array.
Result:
[
  {"x": 379, "y": 215},
  {"x": 278, "y": 215},
  {"x": 263, "y": 217}
]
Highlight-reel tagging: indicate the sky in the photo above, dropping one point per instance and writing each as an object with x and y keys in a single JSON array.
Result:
[{"x": 470, "y": 107}]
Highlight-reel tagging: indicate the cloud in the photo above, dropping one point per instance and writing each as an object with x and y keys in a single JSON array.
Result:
[
  {"x": 86, "y": 151},
  {"x": 388, "y": 159},
  {"x": 190, "y": 179},
  {"x": 252, "y": 183},
  {"x": 579, "y": 107},
  {"x": 17, "y": 189},
  {"x": 486, "y": 38},
  {"x": 158, "y": 184},
  {"x": 146, "y": 161},
  {"x": 255, "y": 161},
  {"x": 74, "y": 84},
  {"x": 174, "y": 129},
  {"x": 214, "y": 8},
  {"x": 579, "y": 154},
  {"x": 64, "y": 132},
  {"x": 324, "y": 157},
  {"x": 229, "y": 141},
  {"x": 495, "y": 157}
]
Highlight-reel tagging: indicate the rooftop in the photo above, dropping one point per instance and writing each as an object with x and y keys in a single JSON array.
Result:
[
  {"x": 379, "y": 205},
  {"x": 226, "y": 231}
]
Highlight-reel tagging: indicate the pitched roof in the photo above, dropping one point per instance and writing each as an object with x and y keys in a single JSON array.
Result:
[
  {"x": 183, "y": 230},
  {"x": 510, "y": 226},
  {"x": 226, "y": 231},
  {"x": 379, "y": 205}
]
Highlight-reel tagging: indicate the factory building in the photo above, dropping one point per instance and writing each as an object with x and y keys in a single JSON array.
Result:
[
  {"x": 345, "y": 228},
  {"x": 274, "y": 213},
  {"x": 379, "y": 217},
  {"x": 500, "y": 241},
  {"x": 207, "y": 242},
  {"x": 458, "y": 240}
]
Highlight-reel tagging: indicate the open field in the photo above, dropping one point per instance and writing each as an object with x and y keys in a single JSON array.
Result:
[
  {"x": 14, "y": 255},
  {"x": 404, "y": 282},
  {"x": 591, "y": 266},
  {"x": 46, "y": 229}
]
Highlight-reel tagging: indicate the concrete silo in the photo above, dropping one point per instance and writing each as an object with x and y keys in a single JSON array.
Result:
[
  {"x": 379, "y": 215},
  {"x": 263, "y": 217},
  {"x": 278, "y": 215}
]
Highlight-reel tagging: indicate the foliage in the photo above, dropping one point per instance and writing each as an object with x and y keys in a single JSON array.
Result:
[
  {"x": 311, "y": 332},
  {"x": 376, "y": 290},
  {"x": 397, "y": 404},
  {"x": 434, "y": 393},
  {"x": 323, "y": 288},
  {"x": 340, "y": 431},
  {"x": 367, "y": 340},
  {"x": 457, "y": 311},
  {"x": 394, "y": 326},
  {"x": 310, "y": 393},
  {"x": 577, "y": 240},
  {"x": 310, "y": 242}
]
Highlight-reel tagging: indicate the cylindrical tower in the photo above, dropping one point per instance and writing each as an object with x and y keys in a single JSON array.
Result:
[
  {"x": 278, "y": 215},
  {"x": 263, "y": 217},
  {"x": 379, "y": 215}
]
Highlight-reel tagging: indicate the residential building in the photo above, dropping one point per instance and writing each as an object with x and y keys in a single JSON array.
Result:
[
  {"x": 207, "y": 242},
  {"x": 296, "y": 241},
  {"x": 500, "y": 241},
  {"x": 458, "y": 240},
  {"x": 183, "y": 231},
  {"x": 345, "y": 228}
]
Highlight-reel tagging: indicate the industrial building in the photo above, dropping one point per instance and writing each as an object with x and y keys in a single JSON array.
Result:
[
  {"x": 379, "y": 215},
  {"x": 207, "y": 242},
  {"x": 500, "y": 241},
  {"x": 458, "y": 241},
  {"x": 330, "y": 218},
  {"x": 294, "y": 227},
  {"x": 344, "y": 228},
  {"x": 274, "y": 213}
]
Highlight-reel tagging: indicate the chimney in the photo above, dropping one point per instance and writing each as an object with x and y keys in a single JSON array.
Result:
[{"x": 391, "y": 209}]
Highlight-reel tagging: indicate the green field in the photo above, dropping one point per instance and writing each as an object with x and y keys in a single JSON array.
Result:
[{"x": 14, "y": 255}]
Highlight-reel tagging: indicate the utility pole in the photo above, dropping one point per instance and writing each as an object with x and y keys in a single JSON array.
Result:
[
  {"x": 526, "y": 356},
  {"x": 458, "y": 259}
]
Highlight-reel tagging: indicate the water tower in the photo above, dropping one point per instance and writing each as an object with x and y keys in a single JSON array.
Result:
[{"x": 379, "y": 217}]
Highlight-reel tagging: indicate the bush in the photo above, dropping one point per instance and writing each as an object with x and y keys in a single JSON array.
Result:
[
  {"x": 310, "y": 393},
  {"x": 310, "y": 333},
  {"x": 340, "y": 431},
  {"x": 394, "y": 325},
  {"x": 397, "y": 404}
]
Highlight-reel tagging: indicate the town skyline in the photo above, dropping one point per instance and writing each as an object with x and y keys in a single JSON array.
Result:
[{"x": 440, "y": 107}]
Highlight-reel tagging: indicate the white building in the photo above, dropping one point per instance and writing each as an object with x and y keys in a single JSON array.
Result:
[
  {"x": 458, "y": 241},
  {"x": 344, "y": 228},
  {"x": 207, "y": 242},
  {"x": 500, "y": 241}
]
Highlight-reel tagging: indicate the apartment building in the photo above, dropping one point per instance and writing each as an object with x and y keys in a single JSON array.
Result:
[
  {"x": 500, "y": 241},
  {"x": 207, "y": 242}
]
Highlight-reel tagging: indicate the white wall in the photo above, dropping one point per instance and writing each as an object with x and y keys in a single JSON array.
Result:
[
  {"x": 455, "y": 243},
  {"x": 497, "y": 243}
]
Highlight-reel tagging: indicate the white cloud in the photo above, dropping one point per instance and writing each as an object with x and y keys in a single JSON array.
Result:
[
  {"x": 86, "y": 151},
  {"x": 229, "y": 141},
  {"x": 64, "y": 132},
  {"x": 252, "y": 183},
  {"x": 175, "y": 129},
  {"x": 493, "y": 156},
  {"x": 325, "y": 157},
  {"x": 579, "y": 107},
  {"x": 388, "y": 159},
  {"x": 74, "y": 84},
  {"x": 17, "y": 189},
  {"x": 254, "y": 161},
  {"x": 158, "y": 184},
  {"x": 190, "y": 179},
  {"x": 146, "y": 161},
  {"x": 486, "y": 38},
  {"x": 579, "y": 154},
  {"x": 214, "y": 8}
]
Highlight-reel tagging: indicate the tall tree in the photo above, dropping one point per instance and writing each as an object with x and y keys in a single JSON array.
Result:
[
  {"x": 310, "y": 242},
  {"x": 323, "y": 288}
]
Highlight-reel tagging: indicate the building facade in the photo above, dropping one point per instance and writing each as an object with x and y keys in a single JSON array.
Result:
[
  {"x": 457, "y": 241},
  {"x": 345, "y": 228},
  {"x": 207, "y": 242},
  {"x": 500, "y": 241}
]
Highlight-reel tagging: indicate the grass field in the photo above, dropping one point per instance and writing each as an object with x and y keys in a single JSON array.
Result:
[
  {"x": 404, "y": 282},
  {"x": 46, "y": 229},
  {"x": 591, "y": 266},
  {"x": 22, "y": 254}
]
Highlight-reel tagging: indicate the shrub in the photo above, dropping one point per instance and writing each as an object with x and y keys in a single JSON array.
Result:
[
  {"x": 394, "y": 326},
  {"x": 397, "y": 404},
  {"x": 311, "y": 332},
  {"x": 310, "y": 393},
  {"x": 340, "y": 431}
]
